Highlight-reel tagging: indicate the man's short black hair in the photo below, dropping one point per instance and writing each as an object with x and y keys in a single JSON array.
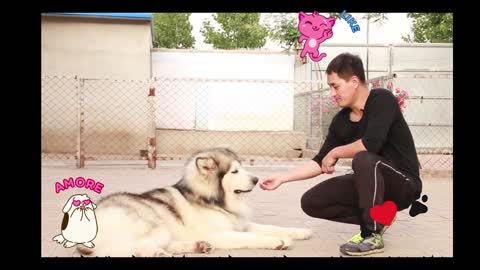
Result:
[{"x": 347, "y": 65}]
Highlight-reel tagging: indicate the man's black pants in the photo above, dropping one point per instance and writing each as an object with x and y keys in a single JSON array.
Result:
[{"x": 348, "y": 198}]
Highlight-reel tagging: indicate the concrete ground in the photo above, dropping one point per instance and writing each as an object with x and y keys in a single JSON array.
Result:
[{"x": 429, "y": 234}]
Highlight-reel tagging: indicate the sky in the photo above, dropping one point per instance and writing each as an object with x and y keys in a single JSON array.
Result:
[{"x": 389, "y": 33}]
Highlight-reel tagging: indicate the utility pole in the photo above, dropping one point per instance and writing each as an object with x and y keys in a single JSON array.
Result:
[{"x": 368, "y": 28}]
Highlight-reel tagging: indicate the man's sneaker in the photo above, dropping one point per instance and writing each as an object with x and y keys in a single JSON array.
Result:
[
  {"x": 353, "y": 242},
  {"x": 359, "y": 246}
]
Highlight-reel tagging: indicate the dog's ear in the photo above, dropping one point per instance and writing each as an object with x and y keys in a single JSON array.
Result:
[
  {"x": 68, "y": 205},
  {"x": 206, "y": 165}
]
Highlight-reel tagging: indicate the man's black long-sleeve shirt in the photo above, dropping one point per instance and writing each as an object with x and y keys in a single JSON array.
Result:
[{"x": 382, "y": 129}]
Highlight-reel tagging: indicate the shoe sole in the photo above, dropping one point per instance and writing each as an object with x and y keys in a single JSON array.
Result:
[
  {"x": 371, "y": 251},
  {"x": 362, "y": 253}
]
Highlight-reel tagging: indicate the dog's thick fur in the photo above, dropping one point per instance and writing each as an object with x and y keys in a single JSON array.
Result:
[{"x": 204, "y": 210}]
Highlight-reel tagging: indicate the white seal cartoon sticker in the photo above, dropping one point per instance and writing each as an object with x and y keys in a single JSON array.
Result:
[{"x": 79, "y": 225}]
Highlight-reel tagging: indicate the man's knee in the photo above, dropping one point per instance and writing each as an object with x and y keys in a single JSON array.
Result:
[
  {"x": 364, "y": 158},
  {"x": 307, "y": 204},
  {"x": 311, "y": 206}
]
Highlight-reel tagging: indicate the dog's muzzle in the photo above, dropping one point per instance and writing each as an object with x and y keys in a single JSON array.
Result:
[{"x": 254, "y": 182}]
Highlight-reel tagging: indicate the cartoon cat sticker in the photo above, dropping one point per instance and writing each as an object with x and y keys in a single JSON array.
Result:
[
  {"x": 314, "y": 29},
  {"x": 79, "y": 225}
]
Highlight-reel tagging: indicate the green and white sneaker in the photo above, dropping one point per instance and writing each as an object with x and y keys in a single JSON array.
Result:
[
  {"x": 371, "y": 244},
  {"x": 353, "y": 242},
  {"x": 359, "y": 246}
]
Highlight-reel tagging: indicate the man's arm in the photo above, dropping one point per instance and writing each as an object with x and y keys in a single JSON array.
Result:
[
  {"x": 331, "y": 142},
  {"x": 382, "y": 113},
  {"x": 307, "y": 170},
  {"x": 380, "y": 117},
  {"x": 344, "y": 151},
  {"x": 349, "y": 150}
]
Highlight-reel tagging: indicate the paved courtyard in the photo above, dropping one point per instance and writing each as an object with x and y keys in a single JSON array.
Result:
[{"x": 428, "y": 235}]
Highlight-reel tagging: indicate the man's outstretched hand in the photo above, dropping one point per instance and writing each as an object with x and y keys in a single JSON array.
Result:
[{"x": 272, "y": 182}]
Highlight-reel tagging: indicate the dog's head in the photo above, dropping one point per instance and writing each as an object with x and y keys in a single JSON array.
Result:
[
  {"x": 217, "y": 172},
  {"x": 78, "y": 202}
]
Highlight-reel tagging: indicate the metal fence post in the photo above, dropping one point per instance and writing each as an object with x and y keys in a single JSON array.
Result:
[
  {"x": 390, "y": 59},
  {"x": 152, "y": 142},
  {"x": 309, "y": 115},
  {"x": 80, "y": 123}
]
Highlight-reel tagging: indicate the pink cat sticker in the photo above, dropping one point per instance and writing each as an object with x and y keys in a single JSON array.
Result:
[{"x": 315, "y": 29}]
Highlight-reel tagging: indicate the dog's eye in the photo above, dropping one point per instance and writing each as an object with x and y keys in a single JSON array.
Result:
[{"x": 236, "y": 171}]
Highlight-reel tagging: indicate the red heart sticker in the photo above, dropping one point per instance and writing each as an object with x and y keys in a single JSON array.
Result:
[{"x": 384, "y": 213}]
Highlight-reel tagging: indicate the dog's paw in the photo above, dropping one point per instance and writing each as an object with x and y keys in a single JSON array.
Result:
[
  {"x": 286, "y": 242},
  {"x": 301, "y": 234},
  {"x": 203, "y": 247},
  {"x": 161, "y": 253}
]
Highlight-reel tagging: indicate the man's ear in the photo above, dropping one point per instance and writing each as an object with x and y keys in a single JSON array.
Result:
[
  {"x": 355, "y": 81},
  {"x": 206, "y": 165}
]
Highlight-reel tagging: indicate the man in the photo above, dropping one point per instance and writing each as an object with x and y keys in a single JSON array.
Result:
[{"x": 371, "y": 129}]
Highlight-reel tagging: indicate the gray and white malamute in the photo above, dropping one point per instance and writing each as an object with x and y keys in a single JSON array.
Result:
[{"x": 203, "y": 211}]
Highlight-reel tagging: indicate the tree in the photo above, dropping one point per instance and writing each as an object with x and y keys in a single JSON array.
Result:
[
  {"x": 285, "y": 30},
  {"x": 431, "y": 27},
  {"x": 172, "y": 30},
  {"x": 238, "y": 30},
  {"x": 379, "y": 18}
]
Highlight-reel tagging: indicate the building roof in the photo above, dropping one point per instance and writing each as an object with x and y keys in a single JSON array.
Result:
[{"x": 142, "y": 16}]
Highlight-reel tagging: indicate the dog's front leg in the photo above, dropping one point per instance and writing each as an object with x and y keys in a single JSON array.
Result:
[
  {"x": 179, "y": 247},
  {"x": 247, "y": 240},
  {"x": 291, "y": 232}
]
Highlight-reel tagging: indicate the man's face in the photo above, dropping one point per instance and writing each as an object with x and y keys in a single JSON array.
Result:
[{"x": 343, "y": 91}]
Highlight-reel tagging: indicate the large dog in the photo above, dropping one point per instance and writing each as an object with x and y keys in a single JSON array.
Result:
[{"x": 205, "y": 210}]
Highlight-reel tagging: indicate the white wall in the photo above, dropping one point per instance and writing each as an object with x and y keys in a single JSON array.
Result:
[
  {"x": 219, "y": 97},
  {"x": 96, "y": 47},
  {"x": 115, "y": 50}
]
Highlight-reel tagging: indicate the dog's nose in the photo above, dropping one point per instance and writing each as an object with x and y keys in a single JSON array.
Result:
[{"x": 255, "y": 180}]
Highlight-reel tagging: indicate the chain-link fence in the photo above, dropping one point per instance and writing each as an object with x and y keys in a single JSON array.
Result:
[
  {"x": 268, "y": 122},
  {"x": 95, "y": 119},
  {"x": 429, "y": 113},
  {"x": 60, "y": 117},
  {"x": 253, "y": 117}
]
